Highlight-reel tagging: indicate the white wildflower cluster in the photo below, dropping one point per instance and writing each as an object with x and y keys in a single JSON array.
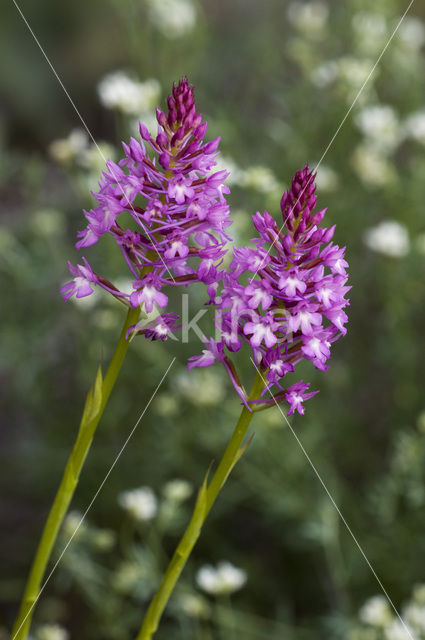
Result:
[
  {"x": 51, "y": 632},
  {"x": 74, "y": 524},
  {"x": 326, "y": 178},
  {"x": 309, "y": 17},
  {"x": 259, "y": 178},
  {"x": 205, "y": 389},
  {"x": 140, "y": 503},
  {"x": 78, "y": 150},
  {"x": 194, "y": 605},
  {"x": 177, "y": 490},
  {"x": 377, "y": 614},
  {"x": 414, "y": 126},
  {"x": 221, "y": 580},
  {"x": 68, "y": 150},
  {"x": 411, "y": 33},
  {"x": 118, "y": 90},
  {"x": 372, "y": 167},
  {"x": 173, "y": 18},
  {"x": 350, "y": 71},
  {"x": 370, "y": 31},
  {"x": 381, "y": 127},
  {"x": 389, "y": 238}
]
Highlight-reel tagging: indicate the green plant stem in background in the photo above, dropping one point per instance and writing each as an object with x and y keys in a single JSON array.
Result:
[
  {"x": 204, "y": 503},
  {"x": 96, "y": 401}
]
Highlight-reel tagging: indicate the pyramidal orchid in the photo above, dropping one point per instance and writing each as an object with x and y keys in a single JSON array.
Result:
[
  {"x": 165, "y": 209},
  {"x": 284, "y": 295}
]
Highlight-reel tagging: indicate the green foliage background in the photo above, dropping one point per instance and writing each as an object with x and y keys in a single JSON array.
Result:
[{"x": 252, "y": 68}]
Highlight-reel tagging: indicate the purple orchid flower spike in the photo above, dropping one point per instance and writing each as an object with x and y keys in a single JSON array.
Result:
[
  {"x": 176, "y": 233},
  {"x": 293, "y": 305}
]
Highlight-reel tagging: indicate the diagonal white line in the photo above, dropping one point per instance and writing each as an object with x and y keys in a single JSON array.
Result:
[
  {"x": 341, "y": 124},
  {"x": 85, "y": 126},
  {"x": 118, "y": 456},
  {"x": 322, "y": 482}
]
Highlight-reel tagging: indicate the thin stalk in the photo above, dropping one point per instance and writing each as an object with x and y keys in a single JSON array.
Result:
[
  {"x": 206, "y": 499},
  {"x": 97, "y": 399}
]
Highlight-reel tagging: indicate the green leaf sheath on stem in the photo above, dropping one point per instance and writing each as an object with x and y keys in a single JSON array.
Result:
[
  {"x": 206, "y": 498},
  {"x": 96, "y": 401}
]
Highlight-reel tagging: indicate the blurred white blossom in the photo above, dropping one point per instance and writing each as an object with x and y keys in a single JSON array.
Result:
[
  {"x": 325, "y": 74},
  {"x": 73, "y": 525},
  {"x": 397, "y": 631},
  {"x": 411, "y": 33},
  {"x": 414, "y": 126},
  {"x": 194, "y": 605},
  {"x": 380, "y": 125},
  {"x": 205, "y": 388},
  {"x": 348, "y": 74},
  {"x": 372, "y": 167},
  {"x": 259, "y": 178},
  {"x": 166, "y": 405},
  {"x": 66, "y": 150},
  {"x": 48, "y": 222},
  {"x": 327, "y": 178},
  {"x": 119, "y": 91},
  {"x": 414, "y": 614},
  {"x": 140, "y": 503},
  {"x": 177, "y": 490},
  {"x": 174, "y": 18},
  {"x": 51, "y": 632},
  {"x": 376, "y": 612},
  {"x": 389, "y": 237},
  {"x": 220, "y": 580},
  {"x": 370, "y": 30},
  {"x": 309, "y": 17}
]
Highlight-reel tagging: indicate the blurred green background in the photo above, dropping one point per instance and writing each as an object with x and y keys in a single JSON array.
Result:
[{"x": 274, "y": 79}]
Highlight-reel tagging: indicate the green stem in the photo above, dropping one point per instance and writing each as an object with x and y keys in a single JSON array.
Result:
[
  {"x": 97, "y": 399},
  {"x": 206, "y": 499}
]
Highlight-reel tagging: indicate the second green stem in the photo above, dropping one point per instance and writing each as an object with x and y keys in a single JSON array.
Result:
[{"x": 206, "y": 499}]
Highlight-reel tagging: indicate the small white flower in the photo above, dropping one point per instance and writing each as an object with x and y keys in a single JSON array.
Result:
[
  {"x": 74, "y": 524},
  {"x": 414, "y": 126},
  {"x": 259, "y": 178},
  {"x": 370, "y": 30},
  {"x": 376, "y": 612},
  {"x": 204, "y": 389},
  {"x": 325, "y": 74},
  {"x": 141, "y": 503},
  {"x": 397, "y": 631},
  {"x": 119, "y": 91},
  {"x": 177, "y": 490},
  {"x": 166, "y": 405},
  {"x": 326, "y": 179},
  {"x": 51, "y": 632},
  {"x": 372, "y": 167},
  {"x": 411, "y": 33},
  {"x": 68, "y": 149},
  {"x": 174, "y": 18},
  {"x": 194, "y": 605},
  {"x": 379, "y": 123},
  {"x": 414, "y": 614},
  {"x": 309, "y": 17},
  {"x": 390, "y": 238},
  {"x": 220, "y": 580}
]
